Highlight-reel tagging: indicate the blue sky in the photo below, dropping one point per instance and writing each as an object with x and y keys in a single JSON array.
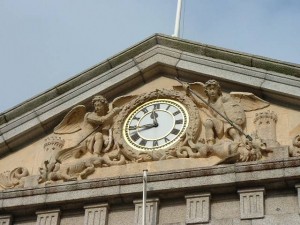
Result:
[{"x": 43, "y": 42}]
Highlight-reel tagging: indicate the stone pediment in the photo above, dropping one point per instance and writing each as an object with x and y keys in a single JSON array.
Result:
[{"x": 58, "y": 130}]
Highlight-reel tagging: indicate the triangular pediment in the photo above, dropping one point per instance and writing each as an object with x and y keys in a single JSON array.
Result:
[{"x": 152, "y": 67}]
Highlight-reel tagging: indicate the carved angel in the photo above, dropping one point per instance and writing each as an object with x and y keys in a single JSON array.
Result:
[
  {"x": 93, "y": 126},
  {"x": 220, "y": 108}
]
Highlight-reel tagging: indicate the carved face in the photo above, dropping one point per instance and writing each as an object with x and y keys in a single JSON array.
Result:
[
  {"x": 212, "y": 92},
  {"x": 255, "y": 145},
  {"x": 99, "y": 107}
]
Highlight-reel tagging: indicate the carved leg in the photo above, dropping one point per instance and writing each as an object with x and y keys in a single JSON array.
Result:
[
  {"x": 98, "y": 145},
  {"x": 89, "y": 170},
  {"x": 235, "y": 135},
  {"x": 209, "y": 132}
]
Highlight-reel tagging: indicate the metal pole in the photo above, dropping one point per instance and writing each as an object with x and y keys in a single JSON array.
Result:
[
  {"x": 144, "y": 195},
  {"x": 178, "y": 16}
]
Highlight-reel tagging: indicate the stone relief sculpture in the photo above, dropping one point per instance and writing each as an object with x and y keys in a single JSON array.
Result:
[
  {"x": 265, "y": 123},
  {"x": 78, "y": 133},
  {"x": 196, "y": 121},
  {"x": 92, "y": 124},
  {"x": 224, "y": 122},
  {"x": 14, "y": 178}
]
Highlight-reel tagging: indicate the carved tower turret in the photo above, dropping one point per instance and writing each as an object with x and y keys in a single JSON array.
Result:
[{"x": 265, "y": 123}]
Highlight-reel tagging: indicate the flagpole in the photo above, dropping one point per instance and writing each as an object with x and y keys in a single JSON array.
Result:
[
  {"x": 144, "y": 195},
  {"x": 178, "y": 17}
]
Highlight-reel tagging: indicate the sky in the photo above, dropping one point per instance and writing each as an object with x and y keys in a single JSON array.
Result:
[{"x": 45, "y": 42}]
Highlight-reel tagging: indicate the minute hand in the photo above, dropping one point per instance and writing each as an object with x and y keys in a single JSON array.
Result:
[{"x": 143, "y": 126}]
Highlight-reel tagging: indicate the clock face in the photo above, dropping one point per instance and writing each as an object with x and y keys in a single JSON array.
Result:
[{"x": 155, "y": 125}]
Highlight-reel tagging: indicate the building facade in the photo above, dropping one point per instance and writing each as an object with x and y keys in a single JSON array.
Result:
[{"x": 217, "y": 130}]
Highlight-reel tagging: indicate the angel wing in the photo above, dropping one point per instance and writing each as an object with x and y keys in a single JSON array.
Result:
[
  {"x": 71, "y": 123},
  {"x": 249, "y": 101},
  {"x": 122, "y": 100}
]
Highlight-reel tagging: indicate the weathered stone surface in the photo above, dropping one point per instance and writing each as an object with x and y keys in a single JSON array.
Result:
[
  {"x": 277, "y": 66},
  {"x": 278, "y": 220},
  {"x": 181, "y": 45}
]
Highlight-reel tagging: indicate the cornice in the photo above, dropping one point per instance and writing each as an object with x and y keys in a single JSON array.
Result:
[
  {"x": 134, "y": 72},
  {"x": 210, "y": 51}
]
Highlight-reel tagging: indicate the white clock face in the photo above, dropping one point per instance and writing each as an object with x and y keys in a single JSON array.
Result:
[{"x": 155, "y": 125}]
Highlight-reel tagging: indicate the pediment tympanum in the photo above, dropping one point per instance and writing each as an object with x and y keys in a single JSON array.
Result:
[{"x": 180, "y": 126}]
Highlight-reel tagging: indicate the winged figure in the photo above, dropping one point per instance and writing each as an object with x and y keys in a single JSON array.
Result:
[
  {"x": 223, "y": 114},
  {"x": 90, "y": 126}
]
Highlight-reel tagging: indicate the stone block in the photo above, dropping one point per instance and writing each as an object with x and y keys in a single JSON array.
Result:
[
  {"x": 157, "y": 59},
  {"x": 283, "y": 89},
  {"x": 49, "y": 217},
  {"x": 227, "y": 55},
  {"x": 158, "y": 49},
  {"x": 5, "y": 220},
  {"x": 151, "y": 211},
  {"x": 96, "y": 214},
  {"x": 252, "y": 203},
  {"x": 181, "y": 45},
  {"x": 197, "y": 208},
  {"x": 276, "y": 66}
]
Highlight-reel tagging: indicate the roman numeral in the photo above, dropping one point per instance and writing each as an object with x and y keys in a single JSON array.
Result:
[
  {"x": 178, "y": 121},
  {"x": 175, "y": 131},
  {"x": 135, "y": 136},
  {"x": 132, "y": 127},
  {"x": 155, "y": 143},
  {"x": 145, "y": 110},
  {"x": 136, "y": 118},
  {"x": 176, "y": 113},
  {"x": 143, "y": 142},
  {"x": 168, "y": 107},
  {"x": 166, "y": 139},
  {"x": 157, "y": 106}
]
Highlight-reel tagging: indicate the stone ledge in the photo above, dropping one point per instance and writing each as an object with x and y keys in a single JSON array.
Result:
[{"x": 172, "y": 181}]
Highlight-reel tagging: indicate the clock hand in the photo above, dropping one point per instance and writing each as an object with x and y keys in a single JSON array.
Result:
[
  {"x": 143, "y": 126},
  {"x": 153, "y": 116}
]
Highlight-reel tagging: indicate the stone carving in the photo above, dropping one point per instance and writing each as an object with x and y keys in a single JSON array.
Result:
[
  {"x": 224, "y": 121},
  {"x": 80, "y": 169},
  {"x": 81, "y": 134},
  {"x": 265, "y": 123},
  {"x": 94, "y": 127},
  {"x": 14, "y": 178},
  {"x": 295, "y": 149},
  {"x": 54, "y": 170}
]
